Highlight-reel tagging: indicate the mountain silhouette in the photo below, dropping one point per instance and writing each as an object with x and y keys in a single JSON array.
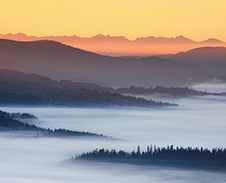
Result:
[
  {"x": 101, "y": 37},
  {"x": 59, "y": 61},
  {"x": 203, "y": 54},
  {"x": 121, "y": 46},
  {"x": 179, "y": 39},
  {"x": 213, "y": 41}
]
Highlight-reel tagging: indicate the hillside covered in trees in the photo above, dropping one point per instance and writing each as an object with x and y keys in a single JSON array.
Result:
[
  {"x": 31, "y": 89},
  {"x": 78, "y": 98},
  {"x": 174, "y": 91},
  {"x": 180, "y": 157},
  {"x": 9, "y": 122}
]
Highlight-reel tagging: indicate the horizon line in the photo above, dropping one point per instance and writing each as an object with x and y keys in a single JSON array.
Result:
[{"x": 112, "y": 36}]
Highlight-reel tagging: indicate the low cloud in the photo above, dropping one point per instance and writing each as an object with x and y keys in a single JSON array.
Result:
[
  {"x": 38, "y": 159},
  {"x": 214, "y": 85}
]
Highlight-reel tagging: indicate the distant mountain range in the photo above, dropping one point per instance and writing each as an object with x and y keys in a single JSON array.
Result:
[
  {"x": 61, "y": 62},
  {"x": 121, "y": 46}
]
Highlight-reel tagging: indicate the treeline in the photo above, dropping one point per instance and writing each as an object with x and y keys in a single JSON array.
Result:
[
  {"x": 80, "y": 97},
  {"x": 9, "y": 123},
  {"x": 176, "y": 91},
  {"x": 166, "y": 156}
]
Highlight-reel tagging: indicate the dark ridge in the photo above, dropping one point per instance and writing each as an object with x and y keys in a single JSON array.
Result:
[
  {"x": 20, "y": 88},
  {"x": 78, "y": 98},
  {"x": 42, "y": 44},
  {"x": 19, "y": 82},
  {"x": 203, "y": 53},
  {"x": 8, "y": 123},
  {"x": 200, "y": 158}
]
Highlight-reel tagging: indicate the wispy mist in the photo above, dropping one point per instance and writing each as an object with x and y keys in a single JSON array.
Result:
[{"x": 215, "y": 85}]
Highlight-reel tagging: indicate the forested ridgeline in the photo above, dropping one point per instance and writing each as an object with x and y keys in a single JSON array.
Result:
[
  {"x": 18, "y": 88},
  {"x": 10, "y": 122},
  {"x": 167, "y": 156},
  {"x": 78, "y": 98},
  {"x": 174, "y": 91}
]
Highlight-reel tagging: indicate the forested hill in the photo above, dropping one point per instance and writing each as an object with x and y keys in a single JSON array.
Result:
[
  {"x": 175, "y": 91},
  {"x": 31, "y": 89},
  {"x": 19, "y": 82},
  {"x": 9, "y": 122},
  {"x": 78, "y": 98},
  {"x": 180, "y": 157}
]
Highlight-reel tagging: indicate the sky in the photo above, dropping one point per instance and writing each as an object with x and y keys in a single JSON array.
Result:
[{"x": 195, "y": 19}]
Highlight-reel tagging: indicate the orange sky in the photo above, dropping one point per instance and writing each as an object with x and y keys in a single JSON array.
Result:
[{"x": 195, "y": 19}]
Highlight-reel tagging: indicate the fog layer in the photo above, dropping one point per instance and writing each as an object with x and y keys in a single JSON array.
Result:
[{"x": 197, "y": 122}]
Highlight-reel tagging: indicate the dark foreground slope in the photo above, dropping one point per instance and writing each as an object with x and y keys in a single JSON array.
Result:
[
  {"x": 9, "y": 123},
  {"x": 31, "y": 89},
  {"x": 58, "y": 61},
  {"x": 195, "y": 158}
]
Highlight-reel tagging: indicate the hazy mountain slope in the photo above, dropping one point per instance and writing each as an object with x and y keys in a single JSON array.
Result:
[
  {"x": 58, "y": 61},
  {"x": 18, "y": 82},
  {"x": 202, "y": 55},
  {"x": 211, "y": 58}
]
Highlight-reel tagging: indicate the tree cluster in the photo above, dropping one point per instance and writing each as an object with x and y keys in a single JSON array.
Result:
[{"x": 179, "y": 156}]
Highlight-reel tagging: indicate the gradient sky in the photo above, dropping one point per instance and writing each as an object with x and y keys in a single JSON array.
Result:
[{"x": 196, "y": 19}]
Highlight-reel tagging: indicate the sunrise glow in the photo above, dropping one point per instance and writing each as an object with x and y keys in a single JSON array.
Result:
[{"x": 196, "y": 19}]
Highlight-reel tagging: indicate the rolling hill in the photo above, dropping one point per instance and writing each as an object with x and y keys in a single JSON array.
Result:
[
  {"x": 59, "y": 62},
  {"x": 212, "y": 59}
]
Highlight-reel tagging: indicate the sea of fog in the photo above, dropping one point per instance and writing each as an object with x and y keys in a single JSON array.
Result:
[{"x": 197, "y": 122}]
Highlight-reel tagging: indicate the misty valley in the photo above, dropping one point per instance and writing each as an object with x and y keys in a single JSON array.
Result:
[{"x": 194, "y": 124}]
